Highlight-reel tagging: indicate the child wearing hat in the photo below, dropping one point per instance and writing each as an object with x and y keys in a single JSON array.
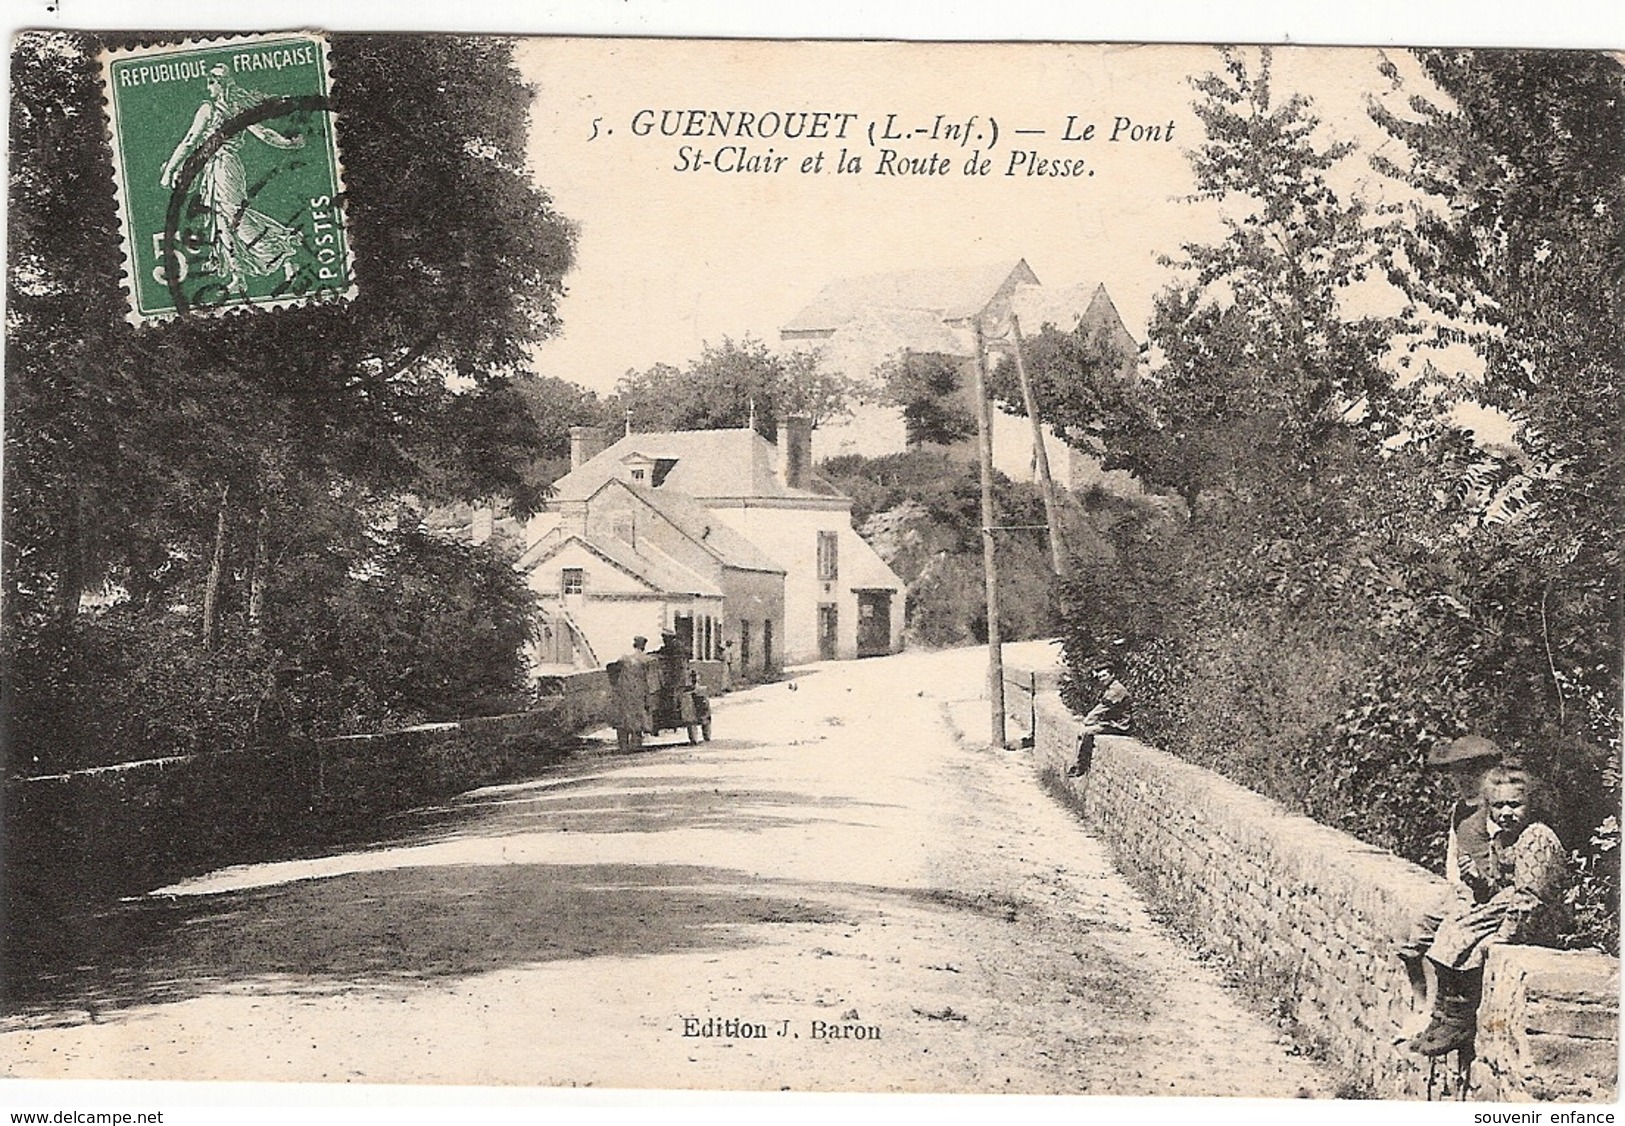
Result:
[
  {"x": 1465, "y": 763},
  {"x": 1526, "y": 872}
]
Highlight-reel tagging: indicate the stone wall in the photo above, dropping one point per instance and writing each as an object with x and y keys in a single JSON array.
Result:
[
  {"x": 124, "y": 829},
  {"x": 1548, "y": 1025},
  {"x": 1305, "y": 917}
]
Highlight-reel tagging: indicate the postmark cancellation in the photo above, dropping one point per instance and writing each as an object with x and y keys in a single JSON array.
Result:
[{"x": 227, "y": 170}]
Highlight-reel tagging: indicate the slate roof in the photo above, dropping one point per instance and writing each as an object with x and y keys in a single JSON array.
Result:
[
  {"x": 946, "y": 294},
  {"x": 646, "y": 564},
  {"x": 696, "y": 522},
  {"x": 864, "y": 569},
  {"x": 711, "y": 464}
]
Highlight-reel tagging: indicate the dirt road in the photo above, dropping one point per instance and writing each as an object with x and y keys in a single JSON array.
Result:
[{"x": 844, "y": 893}]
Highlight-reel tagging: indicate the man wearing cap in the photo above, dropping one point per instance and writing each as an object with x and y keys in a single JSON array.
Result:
[
  {"x": 629, "y": 683},
  {"x": 1468, "y": 866}
]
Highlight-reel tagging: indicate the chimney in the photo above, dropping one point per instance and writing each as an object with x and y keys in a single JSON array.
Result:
[
  {"x": 795, "y": 450},
  {"x": 585, "y": 442}
]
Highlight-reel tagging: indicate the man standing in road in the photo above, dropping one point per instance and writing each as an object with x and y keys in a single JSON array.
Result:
[
  {"x": 673, "y": 674},
  {"x": 630, "y": 686}
]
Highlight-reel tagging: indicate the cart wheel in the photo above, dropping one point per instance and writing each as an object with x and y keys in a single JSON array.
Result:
[
  {"x": 705, "y": 728},
  {"x": 693, "y": 733}
]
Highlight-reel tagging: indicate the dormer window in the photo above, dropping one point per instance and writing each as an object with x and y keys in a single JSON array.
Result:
[{"x": 639, "y": 469}]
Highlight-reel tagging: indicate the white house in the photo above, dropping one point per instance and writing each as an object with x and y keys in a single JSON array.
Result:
[{"x": 734, "y": 543}]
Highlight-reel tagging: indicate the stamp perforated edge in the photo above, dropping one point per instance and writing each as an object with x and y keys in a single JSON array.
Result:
[{"x": 110, "y": 123}]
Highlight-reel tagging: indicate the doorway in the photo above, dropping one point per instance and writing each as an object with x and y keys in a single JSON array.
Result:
[
  {"x": 874, "y": 623},
  {"x": 828, "y": 630}
]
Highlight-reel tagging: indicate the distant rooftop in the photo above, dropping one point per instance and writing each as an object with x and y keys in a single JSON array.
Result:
[
  {"x": 1086, "y": 304},
  {"x": 943, "y": 294},
  {"x": 706, "y": 465}
]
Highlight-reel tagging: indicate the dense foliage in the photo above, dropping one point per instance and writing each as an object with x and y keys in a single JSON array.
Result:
[
  {"x": 929, "y": 388},
  {"x": 1353, "y": 576},
  {"x": 922, "y": 512},
  {"x": 220, "y": 497},
  {"x": 729, "y": 384}
]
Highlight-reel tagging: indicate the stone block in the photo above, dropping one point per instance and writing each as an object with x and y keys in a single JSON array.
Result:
[
  {"x": 1564, "y": 1063},
  {"x": 1581, "y": 1020}
]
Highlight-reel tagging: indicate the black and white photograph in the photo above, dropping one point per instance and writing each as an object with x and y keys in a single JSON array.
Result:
[{"x": 788, "y": 567}]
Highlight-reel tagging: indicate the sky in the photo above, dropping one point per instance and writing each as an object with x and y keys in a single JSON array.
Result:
[{"x": 671, "y": 257}]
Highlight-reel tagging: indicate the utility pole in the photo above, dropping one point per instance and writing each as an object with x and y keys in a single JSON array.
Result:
[
  {"x": 1046, "y": 484},
  {"x": 995, "y": 651}
]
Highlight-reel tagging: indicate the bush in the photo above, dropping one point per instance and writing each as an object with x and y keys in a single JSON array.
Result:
[
  {"x": 922, "y": 512},
  {"x": 947, "y": 602},
  {"x": 124, "y": 685},
  {"x": 1308, "y": 680},
  {"x": 428, "y": 629},
  {"x": 431, "y": 629}
]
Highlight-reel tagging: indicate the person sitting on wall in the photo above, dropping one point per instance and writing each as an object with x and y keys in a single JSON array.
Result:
[
  {"x": 1464, "y": 762},
  {"x": 1111, "y": 715},
  {"x": 1526, "y": 873}
]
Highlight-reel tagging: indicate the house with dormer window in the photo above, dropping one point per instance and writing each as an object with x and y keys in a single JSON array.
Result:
[
  {"x": 731, "y": 541},
  {"x": 861, "y": 323}
]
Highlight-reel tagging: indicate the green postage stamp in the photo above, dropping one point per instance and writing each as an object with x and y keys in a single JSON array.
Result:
[{"x": 227, "y": 168}]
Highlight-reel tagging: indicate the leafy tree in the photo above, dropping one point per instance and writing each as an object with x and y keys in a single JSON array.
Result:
[
  {"x": 1265, "y": 311},
  {"x": 1267, "y": 397},
  {"x": 555, "y": 405},
  {"x": 186, "y": 463},
  {"x": 1515, "y": 245},
  {"x": 1259, "y": 367},
  {"x": 1359, "y": 578},
  {"x": 1525, "y": 264},
  {"x": 719, "y": 390},
  {"x": 460, "y": 270},
  {"x": 930, "y": 389},
  {"x": 1092, "y": 397},
  {"x": 1250, "y": 625}
]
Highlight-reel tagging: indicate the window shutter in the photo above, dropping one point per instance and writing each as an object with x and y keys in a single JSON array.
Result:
[{"x": 828, "y": 556}]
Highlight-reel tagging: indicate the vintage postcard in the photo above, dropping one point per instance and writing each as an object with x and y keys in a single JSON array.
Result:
[{"x": 809, "y": 566}]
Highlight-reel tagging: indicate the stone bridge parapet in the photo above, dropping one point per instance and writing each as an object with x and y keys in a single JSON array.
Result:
[{"x": 1305, "y": 917}]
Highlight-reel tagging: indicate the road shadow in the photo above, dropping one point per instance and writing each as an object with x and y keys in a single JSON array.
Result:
[
  {"x": 398, "y": 920},
  {"x": 387, "y": 928},
  {"x": 614, "y": 794},
  {"x": 394, "y": 926}
]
